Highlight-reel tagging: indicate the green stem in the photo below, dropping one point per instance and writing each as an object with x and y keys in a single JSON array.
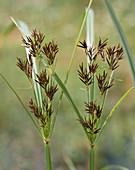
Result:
[
  {"x": 111, "y": 113},
  {"x": 92, "y": 151},
  {"x": 48, "y": 157},
  {"x": 77, "y": 41},
  {"x": 69, "y": 68}
]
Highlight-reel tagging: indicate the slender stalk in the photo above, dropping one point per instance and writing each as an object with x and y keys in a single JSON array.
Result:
[
  {"x": 69, "y": 68},
  {"x": 77, "y": 41},
  {"x": 92, "y": 153},
  {"x": 90, "y": 40},
  {"x": 111, "y": 113},
  {"x": 48, "y": 157}
]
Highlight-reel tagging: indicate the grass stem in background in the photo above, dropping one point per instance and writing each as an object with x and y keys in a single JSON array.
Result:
[
  {"x": 90, "y": 41},
  {"x": 123, "y": 39}
]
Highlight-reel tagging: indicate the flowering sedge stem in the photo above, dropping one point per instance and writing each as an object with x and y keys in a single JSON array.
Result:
[
  {"x": 109, "y": 116},
  {"x": 77, "y": 41},
  {"x": 69, "y": 68},
  {"x": 92, "y": 151},
  {"x": 48, "y": 156}
]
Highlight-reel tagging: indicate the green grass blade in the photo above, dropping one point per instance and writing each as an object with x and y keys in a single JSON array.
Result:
[
  {"x": 111, "y": 113},
  {"x": 9, "y": 29},
  {"x": 21, "y": 102},
  {"x": 116, "y": 167},
  {"x": 123, "y": 39},
  {"x": 69, "y": 99}
]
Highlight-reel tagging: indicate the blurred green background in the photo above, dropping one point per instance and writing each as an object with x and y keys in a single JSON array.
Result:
[{"x": 21, "y": 147}]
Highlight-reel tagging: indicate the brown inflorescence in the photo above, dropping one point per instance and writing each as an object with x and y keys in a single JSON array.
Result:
[
  {"x": 50, "y": 50},
  {"x": 34, "y": 43}
]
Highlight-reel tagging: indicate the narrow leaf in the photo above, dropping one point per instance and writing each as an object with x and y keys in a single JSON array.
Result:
[
  {"x": 21, "y": 102},
  {"x": 69, "y": 99},
  {"x": 112, "y": 111},
  {"x": 123, "y": 39}
]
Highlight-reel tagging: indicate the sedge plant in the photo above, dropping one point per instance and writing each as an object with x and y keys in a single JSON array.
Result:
[{"x": 44, "y": 84}]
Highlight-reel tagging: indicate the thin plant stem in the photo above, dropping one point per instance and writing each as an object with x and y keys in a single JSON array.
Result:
[
  {"x": 21, "y": 103},
  {"x": 111, "y": 113},
  {"x": 69, "y": 68},
  {"x": 90, "y": 40},
  {"x": 48, "y": 156},
  {"x": 92, "y": 153}
]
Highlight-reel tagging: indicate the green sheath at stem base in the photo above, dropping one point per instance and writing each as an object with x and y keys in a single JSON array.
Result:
[
  {"x": 92, "y": 151},
  {"x": 48, "y": 157}
]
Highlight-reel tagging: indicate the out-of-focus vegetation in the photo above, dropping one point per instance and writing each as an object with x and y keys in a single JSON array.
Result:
[{"x": 20, "y": 146}]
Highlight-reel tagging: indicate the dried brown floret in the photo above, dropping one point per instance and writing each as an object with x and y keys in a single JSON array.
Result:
[
  {"x": 114, "y": 54},
  {"x": 85, "y": 76},
  {"x": 50, "y": 91},
  {"x": 34, "y": 44},
  {"x": 93, "y": 67},
  {"x": 25, "y": 66},
  {"x": 50, "y": 50},
  {"x": 43, "y": 79},
  {"x": 104, "y": 84}
]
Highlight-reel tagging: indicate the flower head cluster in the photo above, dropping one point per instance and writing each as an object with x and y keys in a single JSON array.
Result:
[
  {"x": 114, "y": 54},
  {"x": 44, "y": 81},
  {"x": 91, "y": 76},
  {"x": 25, "y": 66},
  {"x": 94, "y": 112},
  {"x": 104, "y": 84},
  {"x": 34, "y": 42},
  {"x": 85, "y": 76},
  {"x": 50, "y": 50},
  {"x": 43, "y": 107}
]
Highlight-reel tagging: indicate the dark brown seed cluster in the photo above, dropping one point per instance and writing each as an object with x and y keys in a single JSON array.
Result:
[
  {"x": 85, "y": 76},
  {"x": 25, "y": 66},
  {"x": 43, "y": 79},
  {"x": 94, "y": 112},
  {"x": 44, "y": 82},
  {"x": 114, "y": 54},
  {"x": 104, "y": 84},
  {"x": 50, "y": 50},
  {"x": 37, "y": 111},
  {"x": 91, "y": 75},
  {"x": 34, "y": 43}
]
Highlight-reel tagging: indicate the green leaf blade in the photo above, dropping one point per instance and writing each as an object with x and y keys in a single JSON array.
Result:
[
  {"x": 20, "y": 102},
  {"x": 123, "y": 39}
]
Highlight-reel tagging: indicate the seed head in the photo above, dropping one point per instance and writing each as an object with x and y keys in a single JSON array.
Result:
[
  {"x": 85, "y": 76},
  {"x": 25, "y": 66},
  {"x": 43, "y": 79},
  {"x": 114, "y": 54},
  {"x": 50, "y": 91},
  {"x": 50, "y": 50},
  {"x": 104, "y": 84},
  {"x": 34, "y": 43}
]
